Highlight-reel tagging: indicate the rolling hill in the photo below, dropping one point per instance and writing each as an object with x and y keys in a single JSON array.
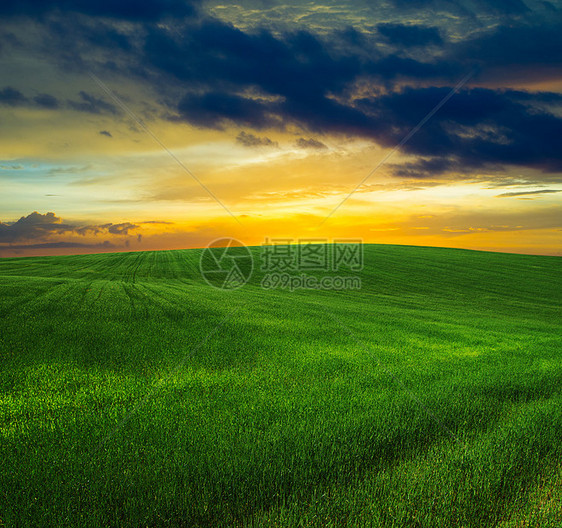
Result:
[{"x": 132, "y": 393}]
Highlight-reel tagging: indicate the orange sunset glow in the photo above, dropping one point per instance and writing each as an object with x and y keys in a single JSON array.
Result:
[{"x": 108, "y": 157}]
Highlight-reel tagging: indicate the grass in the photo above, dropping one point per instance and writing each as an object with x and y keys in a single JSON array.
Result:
[{"x": 133, "y": 394}]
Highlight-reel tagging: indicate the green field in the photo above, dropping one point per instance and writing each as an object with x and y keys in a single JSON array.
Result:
[{"x": 132, "y": 394}]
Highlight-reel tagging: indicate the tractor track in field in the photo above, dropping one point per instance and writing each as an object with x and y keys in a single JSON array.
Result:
[
  {"x": 139, "y": 302},
  {"x": 131, "y": 300},
  {"x": 98, "y": 296},
  {"x": 135, "y": 265},
  {"x": 161, "y": 301},
  {"x": 280, "y": 416},
  {"x": 32, "y": 299}
]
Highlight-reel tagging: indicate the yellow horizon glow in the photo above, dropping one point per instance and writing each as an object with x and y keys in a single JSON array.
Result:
[{"x": 276, "y": 191}]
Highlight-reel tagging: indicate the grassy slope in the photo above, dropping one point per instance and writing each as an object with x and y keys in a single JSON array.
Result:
[{"x": 430, "y": 398}]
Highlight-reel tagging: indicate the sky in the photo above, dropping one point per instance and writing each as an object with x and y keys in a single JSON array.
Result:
[{"x": 167, "y": 124}]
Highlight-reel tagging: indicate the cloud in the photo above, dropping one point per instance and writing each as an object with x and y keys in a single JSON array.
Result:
[
  {"x": 250, "y": 140},
  {"x": 46, "y": 101},
  {"x": 478, "y": 127},
  {"x": 499, "y": 7},
  {"x": 33, "y": 226},
  {"x": 120, "y": 9},
  {"x": 410, "y": 35},
  {"x": 222, "y": 63},
  {"x": 120, "y": 229},
  {"x": 216, "y": 110},
  {"x": 527, "y": 193},
  {"x": 514, "y": 51},
  {"x": 105, "y": 133},
  {"x": 212, "y": 74},
  {"x": 92, "y": 105},
  {"x": 310, "y": 143},
  {"x": 11, "y": 97},
  {"x": 114, "y": 229},
  {"x": 426, "y": 168},
  {"x": 43, "y": 226},
  {"x": 60, "y": 245}
]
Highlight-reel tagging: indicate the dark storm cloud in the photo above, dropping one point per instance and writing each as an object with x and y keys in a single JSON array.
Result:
[
  {"x": 59, "y": 245},
  {"x": 211, "y": 74},
  {"x": 222, "y": 62},
  {"x": 92, "y": 105},
  {"x": 121, "y": 9},
  {"x": 510, "y": 7},
  {"x": 250, "y": 140},
  {"x": 479, "y": 127},
  {"x": 550, "y": 6},
  {"x": 105, "y": 133},
  {"x": 11, "y": 97},
  {"x": 46, "y": 101},
  {"x": 213, "y": 109},
  {"x": 516, "y": 50},
  {"x": 501, "y": 7},
  {"x": 37, "y": 226},
  {"x": 213, "y": 52},
  {"x": 409, "y": 35},
  {"x": 88, "y": 32},
  {"x": 426, "y": 168}
]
